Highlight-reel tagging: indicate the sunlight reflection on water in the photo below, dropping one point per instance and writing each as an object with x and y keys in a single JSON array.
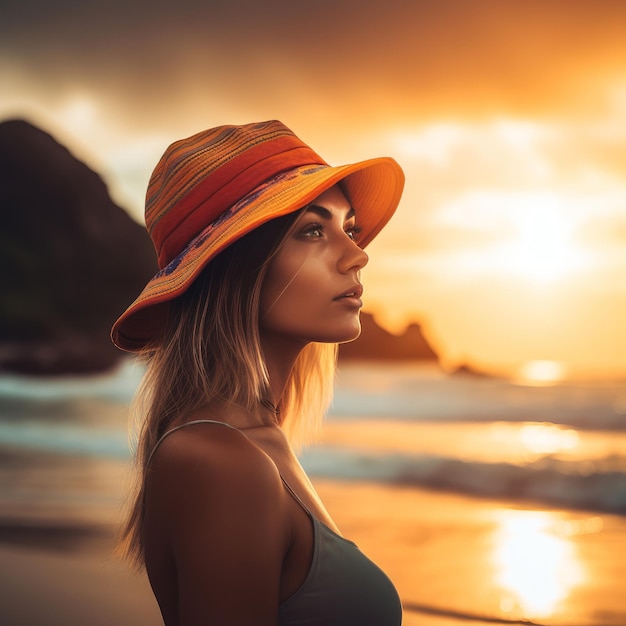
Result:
[
  {"x": 541, "y": 373},
  {"x": 548, "y": 438},
  {"x": 537, "y": 565}
]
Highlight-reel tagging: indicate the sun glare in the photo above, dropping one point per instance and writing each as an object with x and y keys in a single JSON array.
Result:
[
  {"x": 540, "y": 248},
  {"x": 79, "y": 112},
  {"x": 526, "y": 235},
  {"x": 541, "y": 372},
  {"x": 536, "y": 565},
  {"x": 548, "y": 438}
]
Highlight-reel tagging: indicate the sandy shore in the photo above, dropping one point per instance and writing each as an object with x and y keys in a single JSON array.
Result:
[
  {"x": 48, "y": 587},
  {"x": 461, "y": 560},
  {"x": 439, "y": 549}
]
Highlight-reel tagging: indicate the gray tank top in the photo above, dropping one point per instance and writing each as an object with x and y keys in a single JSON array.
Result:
[{"x": 343, "y": 587}]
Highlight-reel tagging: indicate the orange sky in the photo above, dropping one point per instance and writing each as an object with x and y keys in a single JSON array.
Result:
[{"x": 509, "y": 119}]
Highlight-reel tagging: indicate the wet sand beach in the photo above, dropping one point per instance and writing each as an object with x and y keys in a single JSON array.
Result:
[
  {"x": 461, "y": 560},
  {"x": 455, "y": 560}
]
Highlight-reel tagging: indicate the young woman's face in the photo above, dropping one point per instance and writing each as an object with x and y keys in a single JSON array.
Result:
[{"x": 312, "y": 290}]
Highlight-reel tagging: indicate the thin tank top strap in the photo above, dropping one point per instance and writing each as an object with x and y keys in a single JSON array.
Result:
[
  {"x": 165, "y": 435},
  {"x": 296, "y": 497},
  {"x": 180, "y": 427}
]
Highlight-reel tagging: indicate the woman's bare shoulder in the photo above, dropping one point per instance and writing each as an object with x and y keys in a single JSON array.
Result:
[
  {"x": 210, "y": 452},
  {"x": 217, "y": 516},
  {"x": 211, "y": 464}
]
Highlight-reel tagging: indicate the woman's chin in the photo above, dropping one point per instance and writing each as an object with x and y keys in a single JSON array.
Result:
[{"x": 347, "y": 334}]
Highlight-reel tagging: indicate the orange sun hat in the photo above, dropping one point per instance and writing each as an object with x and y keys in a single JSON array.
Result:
[{"x": 214, "y": 187}]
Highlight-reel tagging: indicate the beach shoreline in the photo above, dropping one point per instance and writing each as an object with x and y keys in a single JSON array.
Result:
[
  {"x": 485, "y": 503},
  {"x": 66, "y": 574}
]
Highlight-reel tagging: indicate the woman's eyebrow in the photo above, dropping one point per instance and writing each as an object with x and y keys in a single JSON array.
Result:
[{"x": 324, "y": 213}]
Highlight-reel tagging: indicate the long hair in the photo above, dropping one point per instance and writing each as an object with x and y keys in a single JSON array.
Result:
[{"x": 210, "y": 350}]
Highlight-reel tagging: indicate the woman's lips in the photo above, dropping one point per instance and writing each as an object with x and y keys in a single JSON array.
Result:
[{"x": 351, "y": 296}]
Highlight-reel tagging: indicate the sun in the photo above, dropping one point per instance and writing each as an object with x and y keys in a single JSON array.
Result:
[
  {"x": 541, "y": 246},
  {"x": 530, "y": 236}
]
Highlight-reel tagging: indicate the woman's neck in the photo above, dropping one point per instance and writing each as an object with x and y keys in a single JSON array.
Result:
[{"x": 280, "y": 357}]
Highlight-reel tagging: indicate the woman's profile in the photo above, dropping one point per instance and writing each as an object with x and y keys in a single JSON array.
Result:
[{"x": 260, "y": 244}]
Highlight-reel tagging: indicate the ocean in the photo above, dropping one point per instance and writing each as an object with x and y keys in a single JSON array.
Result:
[
  {"x": 409, "y": 429},
  {"x": 561, "y": 445}
]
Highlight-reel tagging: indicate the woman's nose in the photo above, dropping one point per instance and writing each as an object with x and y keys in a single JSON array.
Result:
[{"x": 353, "y": 257}]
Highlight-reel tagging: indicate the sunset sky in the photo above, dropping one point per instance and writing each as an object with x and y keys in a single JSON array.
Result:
[{"x": 509, "y": 119}]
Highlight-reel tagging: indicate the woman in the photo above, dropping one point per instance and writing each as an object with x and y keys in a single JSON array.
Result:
[{"x": 260, "y": 245}]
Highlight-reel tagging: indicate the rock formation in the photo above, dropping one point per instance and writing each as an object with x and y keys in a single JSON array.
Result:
[
  {"x": 71, "y": 259},
  {"x": 377, "y": 343}
]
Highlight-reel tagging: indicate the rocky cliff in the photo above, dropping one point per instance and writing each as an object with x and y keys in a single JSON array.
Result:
[
  {"x": 71, "y": 259},
  {"x": 378, "y": 344}
]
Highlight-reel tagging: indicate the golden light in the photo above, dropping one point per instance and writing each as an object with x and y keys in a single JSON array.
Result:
[
  {"x": 528, "y": 236},
  {"x": 541, "y": 372},
  {"x": 535, "y": 235},
  {"x": 541, "y": 248},
  {"x": 78, "y": 113},
  {"x": 548, "y": 438},
  {"x": 537, "y": 566}
]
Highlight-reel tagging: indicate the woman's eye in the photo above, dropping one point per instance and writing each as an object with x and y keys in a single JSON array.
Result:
[
  {"x": 314, "y": 231},
  {"x": 353, "y": 232}
]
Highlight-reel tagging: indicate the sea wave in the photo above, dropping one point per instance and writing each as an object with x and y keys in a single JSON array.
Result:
[
  {"x": 118, "y": 385},
  {"x": 593, "y": 485},
  {"x": 89, "y": 416}
]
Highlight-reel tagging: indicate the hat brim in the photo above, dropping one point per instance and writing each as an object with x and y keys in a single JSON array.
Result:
[{"x": 374, "y": 188}]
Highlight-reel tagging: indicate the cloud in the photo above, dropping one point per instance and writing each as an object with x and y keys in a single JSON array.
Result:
[{"x": 347, "y": 59}]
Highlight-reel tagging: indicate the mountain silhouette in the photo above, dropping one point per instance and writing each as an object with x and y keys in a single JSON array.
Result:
[
  {"x": 378, "y": 344},
  {"x": 71, "y": 258}
]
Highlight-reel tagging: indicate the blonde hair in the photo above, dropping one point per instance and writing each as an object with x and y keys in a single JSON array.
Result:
[{"x": 210, "y": 350}]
